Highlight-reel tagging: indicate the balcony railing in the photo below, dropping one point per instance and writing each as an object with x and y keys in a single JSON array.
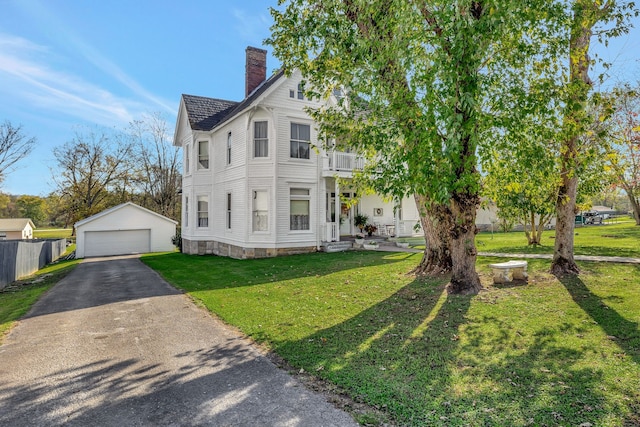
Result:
[{"x": 340, "y": 161}]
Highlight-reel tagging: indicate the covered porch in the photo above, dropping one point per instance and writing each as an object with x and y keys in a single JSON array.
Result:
[{"x": 388, "y": 218}]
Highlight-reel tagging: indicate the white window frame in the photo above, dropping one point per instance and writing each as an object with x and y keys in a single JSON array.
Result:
[
  {"x": 201, "y": 158},
  {"x": 259, "y": 218},
  {"x": 187, "y": 154},
  {"x": 200, "y": 212},
  {"x": 299, "y": 141},
  {"x": 300, "y": 92},
  {"x": 229, "y": 148},
  {"x": 294, "y": 223},
  {"x": 263, "y": 141},
  {"x": 229, "y": 205},
  {"x": 186, "y": 211}
]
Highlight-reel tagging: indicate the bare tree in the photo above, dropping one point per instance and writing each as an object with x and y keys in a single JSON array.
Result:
[
  {"x": 14, "y": 146},
  {"x": 91, "y": 167},
  {"x": 625, "y": 135},
  {"x": 158, "y": 168}
]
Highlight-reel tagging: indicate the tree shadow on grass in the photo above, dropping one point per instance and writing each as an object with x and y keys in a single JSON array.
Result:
[
  {"x": 620, "y": 330},
  {"x": 421, "y": 357}
]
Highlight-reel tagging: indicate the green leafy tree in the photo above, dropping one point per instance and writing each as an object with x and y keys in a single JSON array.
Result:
[
  {"x": 608, "y": 18},
  {"x": 415, "y": 74},
  {"x": 92, "y": 173},
  {"x": 32, "y": 207}
]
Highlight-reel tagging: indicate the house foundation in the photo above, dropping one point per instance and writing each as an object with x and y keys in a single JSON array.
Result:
[{"x": 211, "y": 247}]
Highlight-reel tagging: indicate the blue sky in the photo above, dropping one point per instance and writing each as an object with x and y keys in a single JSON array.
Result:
[{"x": 68, "y": 63}]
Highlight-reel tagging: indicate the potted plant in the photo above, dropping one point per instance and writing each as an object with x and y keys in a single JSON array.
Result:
[
  {"x": 359, "y": 239},
  {"x": 370, "y": 229},
  {"x": 360, "y": 220}
]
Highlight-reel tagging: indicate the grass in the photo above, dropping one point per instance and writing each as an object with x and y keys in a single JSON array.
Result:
[
  {"x": 53, "y": 233},
  {"x": 19, "y": 296},
  {"x": 547, "y": 353},
  {"x": 619, "y": 239}
]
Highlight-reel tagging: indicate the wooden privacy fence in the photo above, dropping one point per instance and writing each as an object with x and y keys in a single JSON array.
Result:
[{"x": 21, "y": 258}]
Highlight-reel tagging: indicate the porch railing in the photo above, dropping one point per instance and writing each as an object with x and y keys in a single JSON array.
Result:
[
  {"x": 332, "y": 231},
  {"x": 341, "y": 161}
]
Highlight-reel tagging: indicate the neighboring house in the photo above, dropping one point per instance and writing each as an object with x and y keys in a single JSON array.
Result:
[
  {"x": 124, "y": 229},
  {"x": 257, "y": 182},
  {"x": 16, "y": 229}
]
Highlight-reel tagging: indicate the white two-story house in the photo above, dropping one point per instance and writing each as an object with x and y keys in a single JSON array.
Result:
[{"x": 257, "y": 181}]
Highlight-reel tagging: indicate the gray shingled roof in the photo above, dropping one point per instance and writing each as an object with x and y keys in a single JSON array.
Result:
[{"x": 207, "y": 113}]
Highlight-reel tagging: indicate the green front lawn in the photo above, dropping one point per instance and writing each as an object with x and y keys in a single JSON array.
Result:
[
  {"x": 17, "y": 297},
  {"x": 547, "y": 353},
  {"x": 615, "y": 239}
]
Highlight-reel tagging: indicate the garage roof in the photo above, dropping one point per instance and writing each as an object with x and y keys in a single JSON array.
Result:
[
  {"x": 115, "y": 208},
  {"x": 15, "y": 224}
]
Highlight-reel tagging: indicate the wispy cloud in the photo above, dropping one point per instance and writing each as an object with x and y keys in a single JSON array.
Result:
[
  {"x": 252, "y": 27},
  {"x": 27, "y": 74}
]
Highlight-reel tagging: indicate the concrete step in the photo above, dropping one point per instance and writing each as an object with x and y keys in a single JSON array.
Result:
[{"x": 336, "y": 246}]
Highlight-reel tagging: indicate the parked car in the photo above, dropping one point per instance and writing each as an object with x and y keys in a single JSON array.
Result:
[{"x": 592, "y": 217}]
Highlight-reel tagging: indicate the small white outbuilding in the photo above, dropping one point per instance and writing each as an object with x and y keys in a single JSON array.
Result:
[{"x": 124, "y": 229}]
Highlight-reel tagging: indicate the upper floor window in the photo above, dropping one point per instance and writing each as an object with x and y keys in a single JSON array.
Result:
[
  {"x": 203, "y": 154},
  {"x": 260, "y": 139},
  {"x": 300, "y": 141},
  {"x": 299, "y": 92},
  {"x": 229, "y": 148},
  {"x": 187, "y": 154}
]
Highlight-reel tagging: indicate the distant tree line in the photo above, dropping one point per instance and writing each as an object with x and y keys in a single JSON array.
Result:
[{"x": 101, "y": 168}]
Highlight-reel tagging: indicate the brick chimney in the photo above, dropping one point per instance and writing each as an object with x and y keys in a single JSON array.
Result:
[{"x": 255, "y": 69}]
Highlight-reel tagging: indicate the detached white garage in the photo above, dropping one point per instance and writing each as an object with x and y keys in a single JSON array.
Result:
[{"x": 124, "y": 229}]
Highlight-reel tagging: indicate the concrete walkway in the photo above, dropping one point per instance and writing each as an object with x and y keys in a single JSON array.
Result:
[
  {"x": 390, "y": 247},
  {"x": 113, "y": 344}
]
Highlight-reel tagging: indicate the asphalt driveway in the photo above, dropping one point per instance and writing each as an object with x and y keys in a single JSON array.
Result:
[{"x": 114, "y": 345}]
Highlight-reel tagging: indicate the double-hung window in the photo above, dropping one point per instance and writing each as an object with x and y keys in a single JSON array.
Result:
[
  {"x": 203, "y": 211},
  {"x": 203, "y": 154},
  {"x": 187, "y": 154},
  {"x": 260, "y": 139},
  {"x": 228, "y": 211},
  {"x": 260, "y": 211},
  {"x": 229, "y": 148},
  {"x": 299, "y": 209},
  {"x": 300, "y": 141},
  {"x": 186, "y": 211}
]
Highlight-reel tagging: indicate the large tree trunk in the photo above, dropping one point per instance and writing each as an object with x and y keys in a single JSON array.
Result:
[
  {"x": 464, "y": 279},
  {"x": 635, "y": 206},
  {"x": 585, "y": 16},
  {"x": 436, "y": 225},
  {"x": 563, "y": 262}
]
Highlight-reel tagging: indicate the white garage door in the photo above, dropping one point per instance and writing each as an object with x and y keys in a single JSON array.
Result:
[{"x": 102, "y": 243}]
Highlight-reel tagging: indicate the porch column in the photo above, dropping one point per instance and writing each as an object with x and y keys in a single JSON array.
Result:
[
  {"x": 338, "y": 209},
  {"x": 396, "y": 217}
]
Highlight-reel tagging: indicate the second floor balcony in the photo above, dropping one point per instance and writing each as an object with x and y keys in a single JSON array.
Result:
[{"x": 341, "y": 163}]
